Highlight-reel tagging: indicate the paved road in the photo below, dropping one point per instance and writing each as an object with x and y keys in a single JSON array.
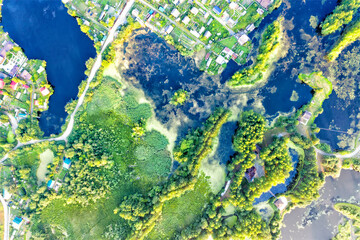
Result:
[
  {"x": 170, "y": 20},
  {"x": 6, "y": 218},
  {"x": 119, "y": 21},
  {"x": 342, "y": 156}
]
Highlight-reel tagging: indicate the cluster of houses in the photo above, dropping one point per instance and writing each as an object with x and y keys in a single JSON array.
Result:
[
  {"x": 18, "y": 221},
  {"x": 56, "y": 184}
]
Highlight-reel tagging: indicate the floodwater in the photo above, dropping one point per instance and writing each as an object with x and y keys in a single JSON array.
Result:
[
  {"x": 319, "y": 220},
  {"x": 45, "y": 31},
  {"x": 282, "y": 187}
]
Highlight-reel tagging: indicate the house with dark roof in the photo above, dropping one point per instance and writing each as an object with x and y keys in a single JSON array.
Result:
[{"x": 250, "y": 174}]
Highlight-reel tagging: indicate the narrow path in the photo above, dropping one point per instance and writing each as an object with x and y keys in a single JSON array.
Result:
[{"x": 119, "y": 21}]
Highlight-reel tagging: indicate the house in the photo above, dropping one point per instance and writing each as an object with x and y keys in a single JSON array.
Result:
[
  {"x": 2, "y": 59},
  {"x": 243, "y": 39},
  {"x": 233, "y": 5},
  {"x": 25, "y": 75},
  {"x": 207, "y": 34},
  {"x": 217, "y": 10},
  {"x": 161, "y": 9},
  {"x": 231, "y": 22},
  {"x": 2, "y": 84},
  {"x": 13, "y": 85},
  {"x": 18, "y": 95},
  {"x": 265, "y": 3},
  {"x": 220, "y": 60},
  {"x": 16, "y": 223},
  {"x": 305, "y": 118},
  {"x": 260, "y": 11},
  {"x": 50, "y": 184},
  {"x": 25, "y": 86},
  {"x": 195, "y": 33},
  {"x": 169, "y": 29},
  {"x": 6, "y": 194},
  {"x": 135, "y": 12},
  {"x": 202, "y": 29},
  {"x": 194, "y": 11},
  {"x": 175, "y": 13},
  {"x": 206, "y": 15},
  {"x": 176, "y": 2},
  {"x": 186, "y": 20},
  {"x": 250, "y": 174},
  {"x": 40, "y": 70},
  {"x": 281, "y": 203},
  {"x": 250, "y": 27},
  {"x": 67, "y": 163},
  {"x": 44, "y": 91}
]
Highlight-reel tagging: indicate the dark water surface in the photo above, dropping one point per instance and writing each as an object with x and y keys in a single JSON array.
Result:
[
  {"x": 319, "y": 220},
  {"x": 45, "y": 31}
]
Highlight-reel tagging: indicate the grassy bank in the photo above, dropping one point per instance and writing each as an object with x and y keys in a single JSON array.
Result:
[{"x": 268, "y": 54}]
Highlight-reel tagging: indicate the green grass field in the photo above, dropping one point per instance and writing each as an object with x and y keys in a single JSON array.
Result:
[{"x": 141, "y": 163}]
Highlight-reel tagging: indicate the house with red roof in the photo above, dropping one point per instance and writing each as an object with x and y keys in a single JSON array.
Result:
[
  {"x": 44, "y": 91},
  {"x": 2, "y": 84},
  {"x": 25, "y": 86},
  {"x": 13, "y": 85}
]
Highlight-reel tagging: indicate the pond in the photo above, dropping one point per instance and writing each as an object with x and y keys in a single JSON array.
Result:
[
  {"x": 319, "y": 220},
  {"x": 45, "y": 31},
  {"x": 282, "y": 187}
]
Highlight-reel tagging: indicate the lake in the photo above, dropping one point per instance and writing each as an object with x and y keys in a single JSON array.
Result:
[
  {"x": 45, "y": 31},
  {"x": 319, "y": 220}
]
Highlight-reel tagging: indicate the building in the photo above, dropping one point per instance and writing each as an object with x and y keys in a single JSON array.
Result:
[
  {"x": 67, "y": 163},
  {"x": 206, "y": 15},
  {"x": 169, "y": 29},
  {"x": 16, "y": 223},
  {"x": 220, "y": 60},
  {"x": 305, "y": 117},
  {"x": 2, "y": 84},
  {"x": 202, "y": 29},
  {"x": 44, "y": 91},
  {"x": 281, "y": 203},
  {"x": 207, "y": 34},
  {"x": 13, "y": 85},
  {"x": 250, "y": 174},
  {"x": 195, "y": 33},
  {"x": 194, "y": 11},
  {"x": 250, "y": 27},
  {"x": 25, "y": 75},
  {"x": 243, "y": 39},
  {"x": 6, "y": 194},
  {"x": 260, "y": 11},
  {"x": 135, "y": 12},
  {"x": 175, "y": 13},
  {"x": 40, "y": 70},
  {"x": 217, "y": 10},
  {"x": 233, "y": 5},
  {"x": 186, "y": 20},
  {"x": 50, "y": 184},
  {"x": 265, "y": 3}
]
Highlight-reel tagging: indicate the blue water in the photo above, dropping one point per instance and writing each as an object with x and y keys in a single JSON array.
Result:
[
  {"x": 45, "y": 31},
  {"x": 282, "y": 187}
]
